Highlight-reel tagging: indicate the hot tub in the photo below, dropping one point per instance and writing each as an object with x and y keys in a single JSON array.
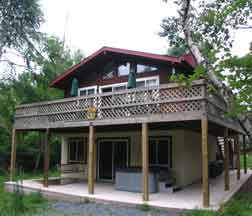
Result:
[{"x": 130, "y": 179}]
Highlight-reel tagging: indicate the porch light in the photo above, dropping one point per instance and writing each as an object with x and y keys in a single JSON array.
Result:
[{"x": 74, "y": 88}]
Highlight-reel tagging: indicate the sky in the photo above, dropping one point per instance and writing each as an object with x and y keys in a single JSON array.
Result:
[
  {"x": 133, "y": 24},
  {"x": 89, "y": 25},
  {"x": 92, "y": 24}
]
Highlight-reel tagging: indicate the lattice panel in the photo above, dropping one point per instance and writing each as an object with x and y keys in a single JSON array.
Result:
[
  {"x": 72, "y": 116},
  {"x": 125, "y": 99},
  {"x": 192, "y": 106},
  {"x": 126, "y": 104},
  {"x": 32, "y": 122},
  {"x": 27, "y": 111},
  {"x": 180, "y": 92},
  {"x": 58, "y": 107}
]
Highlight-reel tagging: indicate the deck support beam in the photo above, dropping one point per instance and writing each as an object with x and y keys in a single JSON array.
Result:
[
  {"x": 237, "y": 161},
  {"x": 244, "y": 154},
  {"x": 205, "y": 176},
  {"x": 91, "y": 159},
  {"x": 13, "y": 155},
  {"x": 46, "y": 156},
  {"x": 226, "y": 160},
  {"x": 145, "y": 161}
]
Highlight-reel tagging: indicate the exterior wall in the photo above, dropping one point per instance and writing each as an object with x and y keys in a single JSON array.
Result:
[
  {"x": 192, "y": 169},
  {"x": 94, "y": 72},
  {"x": 186, "y": 152}
]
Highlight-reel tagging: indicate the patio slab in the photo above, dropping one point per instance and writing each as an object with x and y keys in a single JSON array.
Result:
[{"x": 188, "y": 198}]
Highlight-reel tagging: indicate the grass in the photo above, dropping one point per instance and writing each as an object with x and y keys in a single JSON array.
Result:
[
  {"x": 249, "y": 160},
  {"x": 143, "y": 207},
  {"x": 18, "y": 204},
  {"x": 240, "y": 205}
]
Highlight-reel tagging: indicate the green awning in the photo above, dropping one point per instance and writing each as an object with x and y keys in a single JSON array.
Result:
[
  {"x": 132, "y": 76},
  {"x": 74, "y": 87}
]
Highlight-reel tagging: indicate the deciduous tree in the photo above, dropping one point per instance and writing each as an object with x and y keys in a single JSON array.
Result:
[{"x": 207, "y": 27}]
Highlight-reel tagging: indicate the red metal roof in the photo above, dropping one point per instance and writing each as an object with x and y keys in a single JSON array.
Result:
[{"x": 188, "y": 58}]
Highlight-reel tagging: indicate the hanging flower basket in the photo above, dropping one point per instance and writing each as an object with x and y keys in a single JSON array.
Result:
[{"x": 91, "y": 113}]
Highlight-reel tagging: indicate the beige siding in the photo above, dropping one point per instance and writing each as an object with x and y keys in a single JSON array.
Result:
[
  {"x": 193, "y": 158},
  {"x": 186, "y": 151}
]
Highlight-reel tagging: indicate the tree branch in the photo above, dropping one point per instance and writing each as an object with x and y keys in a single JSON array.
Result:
[{"x": 11, "y": 63}]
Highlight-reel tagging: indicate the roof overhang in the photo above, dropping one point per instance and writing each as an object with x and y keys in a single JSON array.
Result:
[{"x": 187, "y": 59}]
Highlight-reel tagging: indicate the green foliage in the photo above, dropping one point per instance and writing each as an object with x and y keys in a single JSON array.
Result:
[
  {"x": 239, "y": 79},
  {"x": 249, "y": 160},
  {"x": 240, "y": 205},
  {"x": 211, "y": 26},
  {"x": 19, "y": 23},
  {"x": 200, "y": 213},
  {"x": 199, "y": 72},
  {"x": 177, "y": 51},
  {"x": 30, "y": 86},
  {"x": 144, "y": 207},
  {"x": 19, "y": 204}
]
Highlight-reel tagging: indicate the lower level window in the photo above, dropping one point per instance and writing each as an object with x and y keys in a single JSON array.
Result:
[
  {"x": 160, "y": 151},
  {"x": 77, "y": 150}
]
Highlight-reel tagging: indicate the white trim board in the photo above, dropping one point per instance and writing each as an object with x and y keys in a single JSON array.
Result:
[{"x": 125, "y": 83}]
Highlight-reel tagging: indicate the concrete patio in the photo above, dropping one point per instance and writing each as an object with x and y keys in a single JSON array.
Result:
[{"x": 188, "y": 198}]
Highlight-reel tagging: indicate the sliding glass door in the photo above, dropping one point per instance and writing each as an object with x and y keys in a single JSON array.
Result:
[{"x": 112, "y": 155}]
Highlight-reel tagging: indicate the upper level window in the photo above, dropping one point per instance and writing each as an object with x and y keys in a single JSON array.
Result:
[
  {"x": 113, "y": 87},
  {"x": 147, "y": 82},
  {"x": 145, "y": 68},
  {"x": 87, "y": 91},
  {"x": 109, "y": 70},
  {"x": 124, "y": 69}
]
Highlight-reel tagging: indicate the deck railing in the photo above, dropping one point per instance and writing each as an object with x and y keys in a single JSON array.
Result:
[{"x": 140, "y": 102}]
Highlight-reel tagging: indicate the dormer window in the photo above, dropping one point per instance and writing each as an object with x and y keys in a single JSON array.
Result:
[
  {"x": 124, "y": 69},
  {"x": 141, "y": 68}
]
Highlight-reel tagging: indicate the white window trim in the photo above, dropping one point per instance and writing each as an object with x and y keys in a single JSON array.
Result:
[
  {"x": 87, "y": 88},
  {"x": 148, "y": 78},
  {"x": 125, "y": 83}
]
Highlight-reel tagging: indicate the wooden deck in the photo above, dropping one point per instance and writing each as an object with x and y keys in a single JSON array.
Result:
[{"x": 164, "y": 103}]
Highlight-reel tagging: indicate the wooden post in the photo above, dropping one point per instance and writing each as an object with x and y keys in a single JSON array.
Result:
[
  {"x": 244, "y": 154},
  {"x": 13, "y": 155},
  {"x": 237, "y": 151},
  {"x": 145, "y": 161},
  {"x": 226, "y": 159},
  {"x": 205, "y": 177},
  {"x": 46, "y": 156},
  {"x": 95, "y": 158},
  {"x": 91, "y": 162}
]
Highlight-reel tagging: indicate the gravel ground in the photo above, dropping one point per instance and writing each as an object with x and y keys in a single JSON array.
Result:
[{"x": 97, "y": 209}]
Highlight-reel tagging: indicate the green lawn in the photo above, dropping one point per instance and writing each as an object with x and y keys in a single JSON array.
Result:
[
  {"x": 249, "y": 160},
  {"x": 18, "y": 204},
  {"x": 240, "y": 205}
]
